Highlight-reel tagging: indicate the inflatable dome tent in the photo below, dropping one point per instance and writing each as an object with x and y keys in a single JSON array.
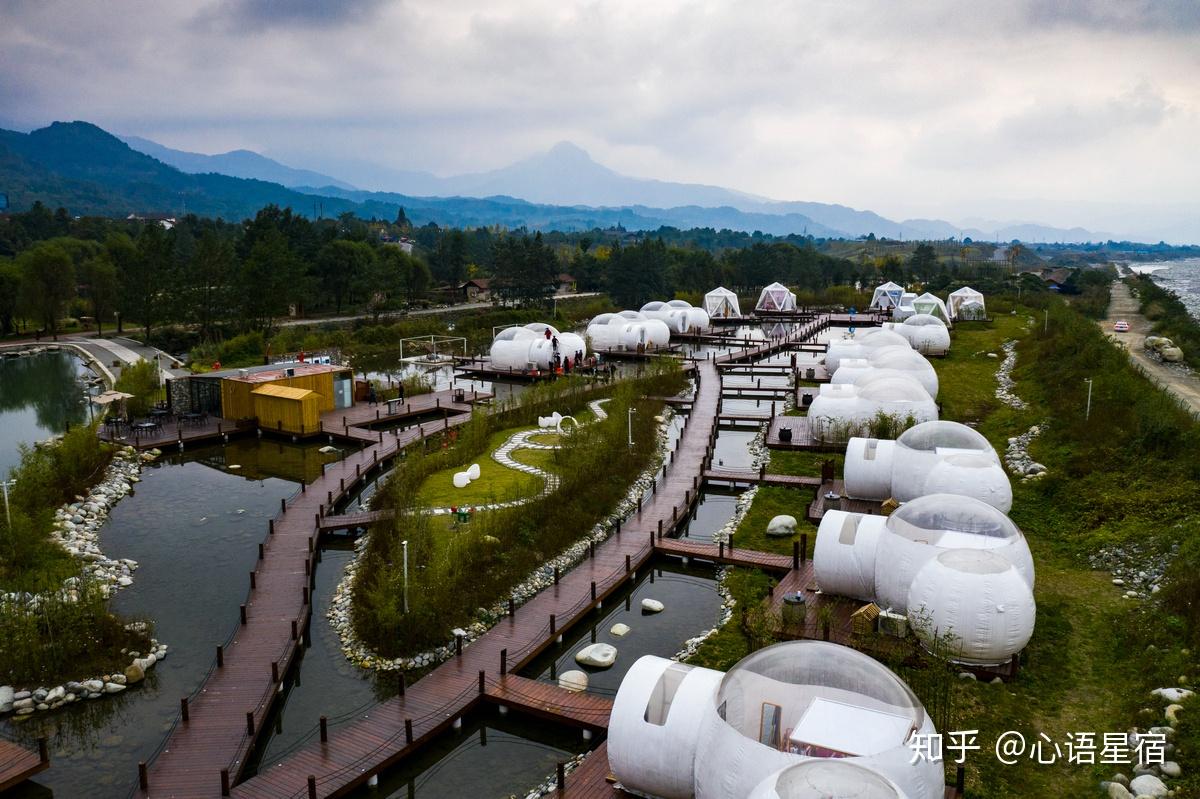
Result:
[
  {"x": 966, "y": 303},
  {"x": 931, "y": 304},
  {"x": 841, "y": 411},
  {"x": 926, "y": 333},
  {"x": 528, "y": 347},
  {"x": 776, "y": 298},
  {"x": 627, "y": 330},
  {"x": 933, "y": 457},
  {"x": 678, "y": 315},
  {"x": 721, "y": 303},
  {"x": 985, "y": 600},
  {"x": 860, "y": 345},
  {"x": 678, "y": 731},
  {"x": 892, "y": 360},
  {"x": 887, "y": 296},
  {"x": 822, "y": 779}
]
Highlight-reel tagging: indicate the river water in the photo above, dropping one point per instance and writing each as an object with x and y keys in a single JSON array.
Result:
[
  {"x": 39, "y": 396},
  {"x": 1181, "y": 277}
]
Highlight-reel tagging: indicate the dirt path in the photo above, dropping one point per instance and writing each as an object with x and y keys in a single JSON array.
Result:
[{"x": 1124, "y": 305}]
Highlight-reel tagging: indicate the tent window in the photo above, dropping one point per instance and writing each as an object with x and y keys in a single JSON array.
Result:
[{"x": 661, "y": 698}]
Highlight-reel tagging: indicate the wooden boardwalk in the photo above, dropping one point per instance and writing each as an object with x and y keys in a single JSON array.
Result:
[
  {"x": 207, "y": 752},
  {"x": 18, "y": 764},
  {"x": 357, "y": 519},
  {"x": 822, "y": 502},
  {"x": 546, "y": 700},
  {"x": 748, "y": 477}
]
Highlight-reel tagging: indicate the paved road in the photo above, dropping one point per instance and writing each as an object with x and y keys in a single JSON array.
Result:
[
  {"x": 466, "y": 306},
  {"x": 1124, "y": 305}
]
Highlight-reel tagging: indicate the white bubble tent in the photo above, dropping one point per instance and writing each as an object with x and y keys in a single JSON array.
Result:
[
  {"x": 966, "y": 304},
  {"x": 957, "y": 567},
  {"x": 678, "y": 732},
  {"x": 776, "y": 298},
  {"x": 627, "y": 330},
  {"x": 939, "y": 457},
  {"x": 925, "y": 332},
  {"x": 528, "y": 348},
  {"x": 887, "y": 296},
  {"x": 841, "y": 411},
  {"x": 825, "y": 778},
  {"x": 678, "y": 315},
  {"x": 894, "y": 360},
  {"x": 721, "y": 303}
]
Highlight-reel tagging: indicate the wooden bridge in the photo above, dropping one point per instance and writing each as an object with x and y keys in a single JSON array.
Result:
[
  {"x": 205, "y": 752},
  {"x": 18, "y": 764}
]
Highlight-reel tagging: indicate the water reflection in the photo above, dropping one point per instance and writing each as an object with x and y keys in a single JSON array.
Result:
[{"x": 39, "y": 396}]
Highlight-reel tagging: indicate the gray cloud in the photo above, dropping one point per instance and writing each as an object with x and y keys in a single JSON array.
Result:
[
  {"x": 258, "y": 15},
  {"x": 1180, "y": 17}
]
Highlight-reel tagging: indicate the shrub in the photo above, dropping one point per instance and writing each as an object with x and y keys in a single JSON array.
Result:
[{"x": 142, "y": 381}]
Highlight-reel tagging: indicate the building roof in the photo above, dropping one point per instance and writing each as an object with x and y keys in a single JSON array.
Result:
[
  {"x": 478, "y": 282},
  {"x": 272, "y": 372},
  {"x": 565, "y": 278},
  {"x": 283, "y": 392}
]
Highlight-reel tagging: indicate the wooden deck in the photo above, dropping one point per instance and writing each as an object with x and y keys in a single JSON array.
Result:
[
  {"x": 822, "y": 503},
  {"x": 18, "y": 764},
  {"x": 548, "y": 701},
  {"x": 351, "y": 521},
  {"x": 747, "y": 477},
  {"x": 227, "y": 712},
  {"x": 730, "y": 556},
  {"x": 802, "y": 437}
]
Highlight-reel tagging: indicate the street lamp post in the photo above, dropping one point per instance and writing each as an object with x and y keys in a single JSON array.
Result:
[
  {"x": 1088, "y": 410},
  {"x": 404, "y": 544},
  {"x": 5, "y": 484},
  {"x": 629, "y": 417}
]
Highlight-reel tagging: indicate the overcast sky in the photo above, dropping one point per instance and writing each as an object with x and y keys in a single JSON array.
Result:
[{"x": 1064, "y": 111}]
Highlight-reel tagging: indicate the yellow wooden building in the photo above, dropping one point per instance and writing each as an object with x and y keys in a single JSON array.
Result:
[
  {"x": 329, "y": 383},
  {"x": 287, "y": 409}
]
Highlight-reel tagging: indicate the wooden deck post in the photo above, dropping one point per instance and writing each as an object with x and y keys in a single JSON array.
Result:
[
  {"x": 458, "y": 646},
  {"x": 552, "y": 629},
  {"x": 324, "y": 730},
  {"x": 503, "y": 662},
  {"x": 593, "y": 590},
  {"x": 795, "y": 555},
  {"x": 481, "y": 680},
  {"x": 512, "y": 607},
  {"x": 242, "y": 611},
  {"x": 183, "y": 709},
  {"x": 250, "y": 723},
  {"x": 312, "y": 787},
  {"x": 556, "y": 575},
  {"x": 803, "y": 547},
  {"x": 562, "y": 777},
  {"x": 252, "y": 581},
  {"x": 220, "y": 657},
  {"x": 275, "y": 672},
  {"x": 627, "y": 566},
  {"x": 224, "y": 782},
  {"x": 408, "y": 732}
]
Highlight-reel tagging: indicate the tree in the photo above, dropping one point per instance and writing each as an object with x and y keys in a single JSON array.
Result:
[
  {"x": 47, "y": 283},
  {"x": 121, "y": 250},
  {"x": 524, "y": 269},
  {"x": 208, "y": 296},
  {"x": 10, "y": 288},
  {"x": 264, "y": 280},
  {"x": 638, "y": 274},
  {"x": 402, "y": 273},
  {"x": 341, "y": 265},
  {"x": 100, "y": 275},
  {"x": 923, "y": 262},
  {"x": 144, "y": 278},
  {"x": 449, "y": 260}
]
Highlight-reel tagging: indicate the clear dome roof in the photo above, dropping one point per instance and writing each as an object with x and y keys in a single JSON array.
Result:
[
  {"x": 541, "y": 327},
  {"x": 653, "y": 306},
  {"x": 678, "y": 304},
  {"x": 929, "y": 436},
  {"x": 631, "y": 315},
  {"x": 602, "y": 319},
  {"x": 952, "y": 520},
  {"x": 823, "y": 684},
  {"x": 514, "y": 333},
  {"x": 894, "y": 388},
  {"x": 924, "y": 320},
  {"x": 878, "y": 337}
]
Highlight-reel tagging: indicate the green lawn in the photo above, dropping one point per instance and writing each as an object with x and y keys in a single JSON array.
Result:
[
  {"x": 541, "y": 458},
  {"x": 496, "y": 483},
  {"x": 803, "y": 463},
  {"x": 771, "y": 501}
]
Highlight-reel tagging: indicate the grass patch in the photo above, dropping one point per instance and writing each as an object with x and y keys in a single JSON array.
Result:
[
  {"x": 496, "y": 483},
  {"x": 803, "y": 463},
  {"x": 545, "y": 459},
  {"x": 732, "y": 642},
  {"x": 771, "y": 501}
]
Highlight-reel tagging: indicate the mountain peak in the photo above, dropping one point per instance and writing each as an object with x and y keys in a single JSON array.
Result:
[{"x": 569, "y": 151}]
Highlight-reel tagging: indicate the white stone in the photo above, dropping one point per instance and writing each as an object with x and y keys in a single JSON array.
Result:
[
  {"x": 1118, "y": 791},
  {"x": 56, "y": 693},
  {"x": 1148, "y": 785},
  {"x": 6, "y": 698},
  {"x": 1172, "y": 694},
  {"x": 93, "y": 685},
  {"x": 113, "y": 688},
  {"x": 573, "y": 681},
  {"x": 599, "y": 656},
  {"x": 1170, "y": 768},
  {"x": 652, "y": 605},
  {"x": 783, "y": 525},
  {"x": 619, "y": 630}
]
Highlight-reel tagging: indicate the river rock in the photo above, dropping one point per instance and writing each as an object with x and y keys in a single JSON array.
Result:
[
  {"x": 652, "y": 606},
  {"x": 56, "y": 693},
  {"x": 781, "y": 526},
  {"x": 1170, "y": 768},
  {"x": 620, "y": 630},
  {"x": 6, "y": 698},
  {"x": 1118, "y": 791},
  {"x": 573, "y": 681},
  {"x": 113, "y": 688},
  {"x": 119, "y": 679},
  {"x": 1172, "y": 713},
  {"x": 1172, "y": 694},
  {"x": 40, "y": 694},
  {"x": 134, "y": 674},
  {"x": 598, "y": 656},
  {"x": 22, "y": 704},
  {"x": 1148, "y": 785}
]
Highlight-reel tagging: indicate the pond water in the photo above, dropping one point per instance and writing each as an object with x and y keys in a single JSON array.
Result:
[
  {"x": 692, "y": 606},
  {"x": 491, "y": 757},
  {"x": 193, "y": 524},
  {"x": 713, "y": 512},
  {"x": 39, "y": 396}
]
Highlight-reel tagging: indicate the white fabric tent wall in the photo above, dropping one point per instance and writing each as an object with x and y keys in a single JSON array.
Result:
[
  {"x": 776, "y": 297},
  {"x": 845, "y": 552},
  {"x": 932, "y": 304},
  {"x": 977, "y": 598},
  {"x": 721, "y": 303},
  {"x": 887, "y": 296},
  {"x": 850, "y": 369},
  {"x": 966, "y": 296},
  {"x": 652, "y": 759},
  {"x": 860, "y": 345},
  {"x": 905, "y": 359}
]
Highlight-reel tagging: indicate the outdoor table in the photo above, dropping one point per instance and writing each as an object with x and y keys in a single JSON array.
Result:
[
  {"x": 193, "y": 418},
  {"x": 146, "y": 427}
]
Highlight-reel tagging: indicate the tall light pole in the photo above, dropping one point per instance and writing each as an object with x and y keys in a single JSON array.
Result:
[
  {"x": 629, "y": 418},
  {"x": 404, "y": 544},
  {"x": 1088, "y": 410},
  {"x": 5, "y": 484}
]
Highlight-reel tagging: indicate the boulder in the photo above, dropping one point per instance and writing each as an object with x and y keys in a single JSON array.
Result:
[
  {"x": 1172, "y": 694},
  {"x": 598, "y": 656},
  {"x": 1148, "y": 785},
  {"x": 134, "y": 674},
  {"x": 6, "y": 698},
  {"x": 1170, "y": 768},
  {"x": 23, "y": 704},
  {"x": 652, "y": 606},
  {"x": 1118, "y": 791},
  {"x": 782, "y": 526},
  {"x": 113, "y": 688},
  {"x": 619, "y": 630},
  {"x": 1171, "y": 354},
  {"x": 573, "y": 681},
  {"x": 56, "y": 693}
]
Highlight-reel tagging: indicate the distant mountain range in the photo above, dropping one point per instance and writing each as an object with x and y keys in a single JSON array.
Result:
[{"x": 88, "y": 170}]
